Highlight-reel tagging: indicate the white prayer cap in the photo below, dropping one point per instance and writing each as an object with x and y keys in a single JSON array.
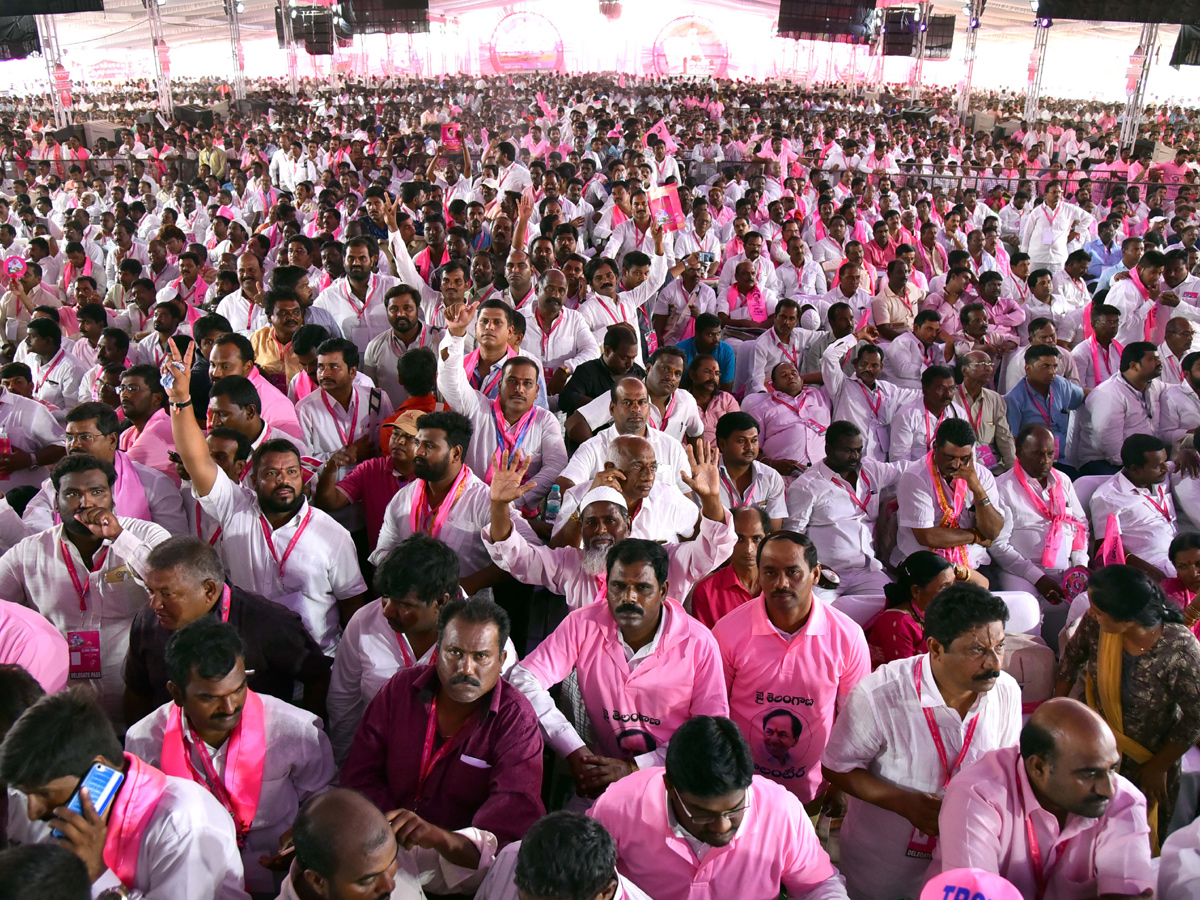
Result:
[{"x": 603, "y": 495}]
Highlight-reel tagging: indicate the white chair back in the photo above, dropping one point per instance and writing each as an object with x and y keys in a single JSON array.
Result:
[{"x": 1024, "y": 612}]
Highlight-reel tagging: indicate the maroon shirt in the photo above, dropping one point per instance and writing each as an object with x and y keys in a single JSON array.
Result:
[
  {"x": 490, "y": 779},
  {"x": 373, "y": 483}
]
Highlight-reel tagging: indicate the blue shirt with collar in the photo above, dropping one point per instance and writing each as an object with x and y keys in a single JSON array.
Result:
[
  {"x": 724, "y": 354},
  {"x": 1102, "y": 257},
  {"x": 1027, "y": 407}
]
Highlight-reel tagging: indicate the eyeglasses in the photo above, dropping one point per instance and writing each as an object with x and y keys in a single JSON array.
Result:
[
  {"x": 1186, "y": 334},
  {"x": 129, "y": 388},
  {"x": 82, "y": 438},
  {"x": 710, "y": 817}
]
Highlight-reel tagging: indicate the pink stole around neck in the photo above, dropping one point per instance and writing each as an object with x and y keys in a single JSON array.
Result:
[{"x": 132, "y": 810}]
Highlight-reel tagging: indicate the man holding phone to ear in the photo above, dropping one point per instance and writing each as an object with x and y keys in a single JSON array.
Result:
[{"x": 159, "y": 837}]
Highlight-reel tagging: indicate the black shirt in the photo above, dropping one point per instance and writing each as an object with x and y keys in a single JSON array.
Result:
[
  {"x": 589, "y": 381},
  {"x": 279, "y": 649}
]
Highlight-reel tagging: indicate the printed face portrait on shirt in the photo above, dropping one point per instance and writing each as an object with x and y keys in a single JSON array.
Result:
[{"x": 784, "y": 738}]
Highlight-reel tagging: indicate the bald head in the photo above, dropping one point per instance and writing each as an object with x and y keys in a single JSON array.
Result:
[
  {"x": 626, "y": 448},
  {"x": 341, "y": 837},
  {"x": 1071, "y": 758}
]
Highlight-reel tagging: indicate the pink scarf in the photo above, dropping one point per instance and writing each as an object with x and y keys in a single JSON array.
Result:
[
  {"x": 422, "y": 518},
  {"x": 1148, "y": 328},
  {"x": 471, "y": 365},
  {"x": 756, "y": 305},
  {"x": 508, "y": 437},
  {"x": 1112, "y": 550},
  {"x": 130, "y": 816},
  {"x": 69, "y": 274},
  {"x": 1057, "y": 513},
  {"x": 239, "y": 791},
  {"x": 129, "y": 494},
  {"x": 950, "y": 513}
]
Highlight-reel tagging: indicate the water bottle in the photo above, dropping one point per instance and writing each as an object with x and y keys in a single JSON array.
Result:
[{"x": 553, "y": 504}]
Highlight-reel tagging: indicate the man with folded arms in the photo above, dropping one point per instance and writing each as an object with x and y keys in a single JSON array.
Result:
[
  {"x": 162, "y": 836},
  {"x": 604, "y": 520},
  {"x": 790, "y": 661},
  {"x": 706, "y": 825},
  {"x": 644, "y": 666},
  {"x": 907, "y": 728},
  {"x": 1052, "y": 816},
  {"x": 257, "y": 755},
  {"x": 453, "y": 747}
]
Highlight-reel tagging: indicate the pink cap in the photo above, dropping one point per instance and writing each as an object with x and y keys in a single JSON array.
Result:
[{"x": 969, "y": 884}]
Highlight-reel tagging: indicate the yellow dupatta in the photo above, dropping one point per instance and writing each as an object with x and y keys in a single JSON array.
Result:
[{"x": 1109, "y": 660}]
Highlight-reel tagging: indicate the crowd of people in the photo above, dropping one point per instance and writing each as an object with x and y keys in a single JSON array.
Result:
[{"x": 571, "y": 488}]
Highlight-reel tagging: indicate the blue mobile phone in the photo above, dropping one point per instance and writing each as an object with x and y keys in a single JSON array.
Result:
[{"x": 102, "y": 783}]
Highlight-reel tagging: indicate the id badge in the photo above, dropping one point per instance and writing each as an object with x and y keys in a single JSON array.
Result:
[
  {"x": 652, "y": 342},
  {"x": 84, "y": 650},
  {"x": 920, "y": 845},
  {"x": 1047, "y": 236},
  {"x": 985, "y": 455}
]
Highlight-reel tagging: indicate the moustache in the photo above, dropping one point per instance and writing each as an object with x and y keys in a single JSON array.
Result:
[
  {"x": 988, "y": 675},
  {"x": 629, "y": 609},
  {"x": 465, "y": 679}
]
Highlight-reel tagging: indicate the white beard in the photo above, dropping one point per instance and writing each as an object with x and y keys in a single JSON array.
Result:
[{"x": 595, "y": 561}]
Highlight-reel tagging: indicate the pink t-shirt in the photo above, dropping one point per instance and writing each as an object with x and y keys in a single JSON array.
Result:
[
  {"x": 28, "y": 640},
  {"x": 634, "y": 713},
  {"x": 775, "y": 845},
  {"x": 991, "y": 806},
  {"x": 149, "y": 447},
  {"x": 277, "y": 410},
  {"x": 784, "y": 693}
]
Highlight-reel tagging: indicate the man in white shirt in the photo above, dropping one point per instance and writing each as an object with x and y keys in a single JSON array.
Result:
[
  {"x": 682, "y": 301},
  {"x": 1098, "y": 357},
  {"x": 1144, "y": 305},
  {"x": 57, "y": 373},
  {"x": 407, "y": 332},
  {"x": 162, "y": 836},
  {"x": 745, "y": 481},
  {"x": 910, "y": 354},
  {"x": 560, "y": 338},
  {"x": 1045, "y": 528},
  {"x": 510, "y": 422},
  {"x": 1048, "y": 229},
  {"x": 861, "y": 398},
  {"x": 836, "y": 503},
  {"x": 356, "y": 300},
  {"x": 916, "y": 423},
  {"x": 139, "y": 491},
  {"x": 800, "y": 275},
  {"x": 263, "y": 756},
  {"x": 1124, "y": 405},
  {"x": 85, "y": 574},
  {"x": 1176, "y": 345},
  {"x": 275, "y": 544},
  {"x": 1180, "y": 403},
  {"x": 616, "y": 300},
  {"x": 948, "y": 501},
  {"x": 672, "y": 411},
  {"x": 1137, "y": 501},
  {"x": 784, "y": 341},
  {"x": 243, "y": 309},
  {"x": 752, "y": 252},
  {"x": 908, "y": 728},
  {"x": 830, "y": 251}
]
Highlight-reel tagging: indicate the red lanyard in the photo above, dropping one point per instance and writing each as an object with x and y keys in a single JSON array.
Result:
[
  {"x": 81, "y": 587},
  {"x": 216, "y": 785},
  {"x": 53, "y": 365},
  {"x": 212, "y": 541},
  {"x": 346, "y": 441},
  {"x": 1164, "y": 508},
  {"x": 1041, "y": 872},
  {"x": 611, "y": 314},
  {"x": 976, "y": 423},
  {"x": 1033, "y": 398},
  {"x": 666, "y": 415},
  {"x": 226, "y": 594},
  {"x": 861, "y": 504},
  {"x": 735, "y": 499},
  {"x": 546, "y": 333},
  {"x": 789, "y": 354},
  {"x": 429, "y": 759},
  {"x": 874, "y": 404},
  {"x": 349, "y": 294},
  {"x": 1050, "y": 218},
  {"x": 936, "y": 733},
  {"x": 405, "y": 650},
  {"x": 266, "y": 530},
  {"x": 929, "y": 436}
]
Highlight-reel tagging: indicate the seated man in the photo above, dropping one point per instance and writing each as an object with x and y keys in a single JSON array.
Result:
[
  {"x": 597, "y": 377},
  {"x": 915, "y": 423},
  {"x": 161, "y": 837},
  {"x": 907, "y": 728},
  {"x": 185, "y": 581},
  {"x": 487, "y": 772},
  {"x": 564, "y": 856},
  {"x": 706, "y": 824},
  {"x": 745, "y": 479},
  {"x": 910, "y": 354},
  {"x": 139, "y": 492},
  {"x": 1052, "y": 816},
  {"x": 836, "y": 503},
  {"x": 735, "y": 581},
  {"x": 667, "y": 671},
  {"x": 257, "y": 755},
  {"x": 1124, "y": 405},
  {"x": 398, "y": 631},
  {"x": 1043, "y": 397},
  {"x": 862, "y": 398},
  {"x": 934, "y": 510},
  {"x": 794, "y": 420},
  {"x": 346, "y": 847},
  {"x": 1137, "y": 501}
]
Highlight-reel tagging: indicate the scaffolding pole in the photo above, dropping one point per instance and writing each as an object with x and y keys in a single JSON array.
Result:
[
  {"x": 964, "y": 93},
  {"x": 914, "y": 93},
  {"x": 239, "y": 55},
  {"x": 162, "y": 61},
  {"x": 1139, "y": 69},
  {"x": 48, "y": 35},
  {"x": 1037, "y": 65},
  {"x": 289, "y": 42}
]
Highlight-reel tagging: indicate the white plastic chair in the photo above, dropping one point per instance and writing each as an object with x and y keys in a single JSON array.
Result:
[
  {"x": 860, "y": 608},
  {"x": 1084, "y": 488},
  {"x": 1024, "y": 612}
]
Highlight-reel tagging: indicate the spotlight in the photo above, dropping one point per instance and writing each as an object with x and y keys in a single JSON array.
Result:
[
  {"x": 1033, "y": 6},
  {"x": 1045, "y": 23},
  {"x": 974, "y": 23},
  {"x": 240, "y": 7}
]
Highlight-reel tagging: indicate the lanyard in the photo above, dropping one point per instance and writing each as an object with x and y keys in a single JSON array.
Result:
[
  {"x": 216, "y": 785},
  {"x": 346, "y": 440},
  {"x": 789, "y": 354},
  {"x": 929, "y": 435},
  {"x": 1041, "y": 871},
  {"x": 429, "y": 759},
  {"x": 666, "y": 415},
  {"x": 976, "y": 423},
  {"x": 611, "y": 314},
  {"x": 547, "y": 332},
  {"x": 867, "y": 395},
  {"x": 53, "y": 365},
  {"x": 350, "y": 298},
  {"x": 81, "y": 587},
  {"x": 861, "y": 504},
  {"x": 212, "y": 541},
  {"x": 405, "y": 650},
  {"x": 735, "y": 499},
  {"x": 1162, "y": 507},
  {"x": 936, "y": 733},
  {"x": 266, "y": 530},
  {"x": 1041, "y": 409}
]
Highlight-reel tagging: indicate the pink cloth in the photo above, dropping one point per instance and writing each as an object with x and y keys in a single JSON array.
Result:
[
  {"x": 132, "y": 810},
  {"x": 129, "y": 494},
  {"x": 1181, "y": 596},
  {"x": 988, "y": 802},
  {"x": 717, "y": 595},
  {"x": 28, "y": 640},
  {"x": 634, "y": 713},
  {"x": 150, "y": 446},
  {"x": 775, "y": 844},
  {"x": 892, "y": 635},
  {"x": 774, "y": 682},
  {"x": 278, "y": 411}
]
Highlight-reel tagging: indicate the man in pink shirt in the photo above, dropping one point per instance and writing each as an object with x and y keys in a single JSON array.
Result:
[
  {"x": 644, "y": 665},
  {"x": 28, "y": 640},
  {"x": 1052, "y": 816},
  {"x": 144, "y": 403},
  {"x": 233, "y": 354},
  {"x": 708, "y": 828},
  {"x": 790, "y": 660}
]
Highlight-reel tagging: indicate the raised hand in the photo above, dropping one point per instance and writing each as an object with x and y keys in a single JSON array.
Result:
[
  {"x": 389, "y": 212},
  {"x": 525, "y": 207},
  {"x": 705, "y": 479},
  {"x": 867, "y": 333},
  {"x": 507, "y": 477},
  {"x": 100, "y": 522},
  {"x": 459, "y": 318},
  {"x": 179, "y": 370}
]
